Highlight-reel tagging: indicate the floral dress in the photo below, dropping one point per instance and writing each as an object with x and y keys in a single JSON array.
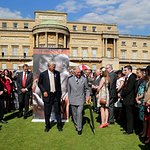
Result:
[
  {"x": 141, "y": 90},
  {"x": 104, "y": 93}
]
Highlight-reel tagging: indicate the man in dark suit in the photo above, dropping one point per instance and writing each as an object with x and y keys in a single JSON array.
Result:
[
  {"x": 50, "y": 86},
  {"x": 112, "y": 92},
  {"x": 95, "y": 83},
  {"x": 128, "y": 95},
  {"x": 24, "y": 88}
]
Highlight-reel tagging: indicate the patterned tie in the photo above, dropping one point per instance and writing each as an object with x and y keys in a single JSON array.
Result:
[
  {"x": 77, "y": 80},
  {"x": 24, "y": 80}
]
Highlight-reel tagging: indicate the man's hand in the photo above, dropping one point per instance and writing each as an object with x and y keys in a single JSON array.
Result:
[
  {"x": 23, "y": 90},
  {"x": 88, "y": 99},
  {"x": 1, "y": 92},
  {"x": 45, "y": 94}
]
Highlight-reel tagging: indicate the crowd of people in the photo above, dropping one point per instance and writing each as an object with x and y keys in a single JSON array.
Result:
[{"x": 117, "y": 96}]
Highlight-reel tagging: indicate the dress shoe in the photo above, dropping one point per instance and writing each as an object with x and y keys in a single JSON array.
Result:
[
  {"x": 24, "y": 117},
  {"x": 79, "y": 132},
  {"x": 59, "y": 128},
  {"x": 106, "y": 125},
  {"x": 3, "y": 122},
  {"x": 127, "y": 133},
  {"x": 20, "y": 114},
  {"x": 46, "y": 129},
  {"x": 101, "y": 126},
  {"x": 111, "y": 122}
]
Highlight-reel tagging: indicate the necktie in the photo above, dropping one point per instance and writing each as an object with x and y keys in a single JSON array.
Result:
[
  {"x": 77, "y": 80},
  {"x": 52, "y": 82},
  {"x": 24, "y": 80}
]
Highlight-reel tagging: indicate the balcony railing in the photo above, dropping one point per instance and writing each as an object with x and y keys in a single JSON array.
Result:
[
  {"x": 85, "y": 58},
  {"x": 124, "y": 60},
  {"x": 15, "y": 57}
]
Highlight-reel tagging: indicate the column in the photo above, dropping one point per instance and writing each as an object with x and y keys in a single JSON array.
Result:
[
  {"x": 103, "y": 53},
  {"x": 37, "y": 40},
  {"x": 56, "y": 40},
  {"x": 46, "y": 40},
  {"x": 105, "y": 47},
  {"x": 114, "y": 48},
  {"x": 65, "y": 41}
]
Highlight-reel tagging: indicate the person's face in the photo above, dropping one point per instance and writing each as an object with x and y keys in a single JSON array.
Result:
[
  {"x": 108, "y": 68},
  {"x": 126, "y": 71},
  {"x": 6, "y": 73},
  {"x": 52, "y": 67},
  {"x": 25, "y": 68},
  {"x": 139, "y": 73},
  {"x": 78, "y": 73}
]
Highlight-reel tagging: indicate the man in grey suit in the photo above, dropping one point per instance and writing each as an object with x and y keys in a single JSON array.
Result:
[
  {"x": 112, "y": 92},
  {"x": 78, "y": 92}
]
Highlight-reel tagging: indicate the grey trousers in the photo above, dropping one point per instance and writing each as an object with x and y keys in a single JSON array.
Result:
[{"x": 77, "y": 116}]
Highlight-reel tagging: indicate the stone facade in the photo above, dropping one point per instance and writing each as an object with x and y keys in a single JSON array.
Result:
[{"x": 90, "y": 43}]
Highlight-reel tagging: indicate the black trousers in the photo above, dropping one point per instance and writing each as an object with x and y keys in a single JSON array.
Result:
[
  {"x": 129, "y": 118},
  {"x": 24, "y": 102},
  {"x": 48, "y": 109},
  {"x": 2, "y": 107}
]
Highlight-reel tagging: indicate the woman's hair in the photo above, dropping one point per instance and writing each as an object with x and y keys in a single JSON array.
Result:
[{"x": 105, "y": 73}]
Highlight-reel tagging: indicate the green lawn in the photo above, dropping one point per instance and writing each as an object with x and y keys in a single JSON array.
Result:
[{"x": 20, "y": 134}]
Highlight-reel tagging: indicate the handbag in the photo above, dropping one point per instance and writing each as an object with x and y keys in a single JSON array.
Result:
[{"x": 102, "y": 101}]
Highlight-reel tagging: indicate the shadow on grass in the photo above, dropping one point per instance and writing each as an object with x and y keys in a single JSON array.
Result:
[
  {"x": 144, "y": 147},
  {"x": 11, "y": 116}
]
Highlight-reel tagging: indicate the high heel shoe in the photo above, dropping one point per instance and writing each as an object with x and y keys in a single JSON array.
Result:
[
  {"x": 106, "y": 125},
  {"x": 101, "y": 126},
  {"x": 147, "y": 141}
]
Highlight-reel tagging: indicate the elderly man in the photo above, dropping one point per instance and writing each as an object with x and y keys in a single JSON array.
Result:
[
  {"x": 50, "y": 86},
  {"x": 78, "y": 92},
  {"x": 112, "y": 92}
]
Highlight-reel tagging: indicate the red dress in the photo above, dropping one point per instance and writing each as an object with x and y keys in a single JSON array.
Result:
[{"x": 7, "y": 86}]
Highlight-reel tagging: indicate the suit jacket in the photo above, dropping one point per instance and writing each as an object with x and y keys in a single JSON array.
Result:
[
  {"x": 95, "y": 82},
  {"x": 112, "y": 85},
  {"x": 29, "y": 82},
  {"x": 128, "y": 91},
  {"x": 44, "y": 85},
  {"x": 77, "y": 92}
]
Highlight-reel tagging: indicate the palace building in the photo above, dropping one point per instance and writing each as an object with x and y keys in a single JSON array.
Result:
[{"x": 94, "y": 44}]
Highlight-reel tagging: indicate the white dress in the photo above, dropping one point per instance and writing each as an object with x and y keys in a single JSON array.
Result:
[{"x": 103, "y": 93}]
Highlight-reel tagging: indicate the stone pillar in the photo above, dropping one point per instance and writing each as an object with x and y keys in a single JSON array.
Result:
[
  {"x": 114, "y": 48},
  {"x": 46, "y": 40},
  {"x": 105, "y": 47},
  {"x": 103, "y": 50},
  {"x": 37, "y": 40},
  {"x": 65, "y": 44},
  {"x": 56, "y": 40}
]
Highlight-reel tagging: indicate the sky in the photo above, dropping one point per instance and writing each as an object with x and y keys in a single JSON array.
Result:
[{"x": 131, "y": 16}]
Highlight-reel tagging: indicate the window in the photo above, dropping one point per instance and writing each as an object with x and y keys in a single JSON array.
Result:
[
  {"x": 94, "y": 67},
  {"x": 145, "y": 54},
  {"x": 144, "y": 44},
  {"x": 94, "y": 29},
  {"x": 4, "y": 66},
  {"x": 74, "y": 28},
  {"x": 15, "y": 66},
  {"x": 26, "y": 50},
  {"x": 134, "y": 44},
  {"x": 51, "y": 45},
  {"x": 4, "y": 49},
  {"x": 26, "y": 25},
  {"x": 109, "y": 28},
  {"x": 134, "y": 54},
  {"x": 123, "y": 43},
  {"x": 94, "y": 52},
  {"x": 84, "y": 52},
  {"x": 14, "y": 50},
  {"x": 74, "y": 52},
  {"x": 15, "y": 25},
  {"x": 84, "y": 28},
  {"x": 123, "y": 54},
  {"x": 4, "y": 25}
]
